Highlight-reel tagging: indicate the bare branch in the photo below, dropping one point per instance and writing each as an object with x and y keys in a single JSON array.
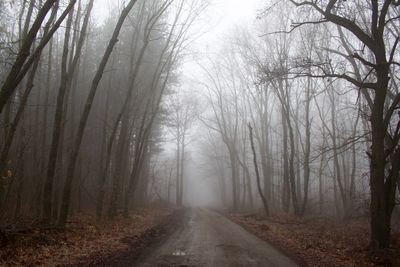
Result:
[
  {"x": 294, "y": 26},
  {"x": 363, "y": 60}
]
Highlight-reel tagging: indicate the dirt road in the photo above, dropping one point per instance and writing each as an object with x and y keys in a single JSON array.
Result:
[{"x": 209, "y": 239}]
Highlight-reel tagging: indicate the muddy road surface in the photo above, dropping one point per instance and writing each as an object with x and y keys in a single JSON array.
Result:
[{"x": 209, "y": 239}]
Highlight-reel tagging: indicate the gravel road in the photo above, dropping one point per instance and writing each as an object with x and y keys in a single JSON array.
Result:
[{"x": 209, "y": 239}]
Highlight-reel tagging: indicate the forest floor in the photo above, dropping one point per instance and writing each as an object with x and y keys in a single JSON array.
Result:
[
  {"x": 84, "y": 242},
  {"x": 320, "y": 241}
]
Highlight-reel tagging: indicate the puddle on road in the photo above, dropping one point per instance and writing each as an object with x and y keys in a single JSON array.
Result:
[
  {"x": 176, "y": 259},
  {"x": 179, "y": 253}
]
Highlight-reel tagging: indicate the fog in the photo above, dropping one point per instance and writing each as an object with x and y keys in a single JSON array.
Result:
[{"x": 260, "y": 107}]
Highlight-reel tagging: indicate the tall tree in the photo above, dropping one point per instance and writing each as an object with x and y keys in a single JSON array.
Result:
[
  {"x": 184, "y": 111},
  {"x": 85, "y": 114},
  {"x": 67, "y": 75},
  {"x": 23, "y": 62},
  {"x": 384, "y": 152}
]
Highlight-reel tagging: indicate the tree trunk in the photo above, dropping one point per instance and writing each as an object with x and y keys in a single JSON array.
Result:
[
  {"x": 286, "y": 186},
  {"x": 178, "y": 170},
  {"x": 51, "y": 166},
  {"x": 380, "y": 208},
  {"x": 234, "y": 175},
  {"x": 83, "y": 120},
  {"x": 321, "y": 175},
  {"x": 182, "y": 170},
  {"x": 260, "y": 191},
  {"x": 338, "y": 176},
  {"x": 12, "y": 127},
  {"x": 307, "y": 148},
  {"x": 105, "y": 152}
]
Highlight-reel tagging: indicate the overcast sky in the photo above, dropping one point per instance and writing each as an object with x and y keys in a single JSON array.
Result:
[{"x": 220, "y": 17}]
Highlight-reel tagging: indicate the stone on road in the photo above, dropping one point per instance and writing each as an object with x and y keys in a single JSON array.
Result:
[{"x": 209, "y": 239}]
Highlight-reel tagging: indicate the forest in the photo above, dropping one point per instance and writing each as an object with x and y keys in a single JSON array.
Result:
[{"x": 123, "y": 121}]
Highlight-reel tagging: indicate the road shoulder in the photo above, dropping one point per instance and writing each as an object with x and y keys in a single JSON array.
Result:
[
  {"x": 320, "y": 241},
  {"x": 269, "y": 238}
]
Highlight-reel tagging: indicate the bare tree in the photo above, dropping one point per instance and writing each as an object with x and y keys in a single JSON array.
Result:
[
  {"x": 184, "y": 110},
  {"x": 226, "y": 118},
  {"x": 382, "y": 103},
  {"x": 85, "y": 114},
  {"x": 23, "y": 62},
  {"x": 68, "y": 72},
  {"x": 264, "y": 200}
]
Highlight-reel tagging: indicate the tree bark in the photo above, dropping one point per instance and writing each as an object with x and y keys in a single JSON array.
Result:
[
  {"x": 307, "y": 148},
  {"x": 86, "y": 111},
  {"x": 52, "y": 160},
  {"x": 260, "y": 191}
]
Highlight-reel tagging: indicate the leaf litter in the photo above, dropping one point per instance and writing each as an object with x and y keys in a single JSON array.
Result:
[
  {"x": 321, "y": 241},
  {"x": 82, "y": 239}
]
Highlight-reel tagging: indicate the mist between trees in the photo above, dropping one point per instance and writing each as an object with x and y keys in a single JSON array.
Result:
[
  {"x": 298, "y": 113},
  {"x": 83, "y": 104}
]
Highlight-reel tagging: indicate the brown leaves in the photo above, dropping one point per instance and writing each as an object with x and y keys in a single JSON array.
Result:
[
  {"x": 83, "y": 238},
  {"x": 320, "y": 241}
]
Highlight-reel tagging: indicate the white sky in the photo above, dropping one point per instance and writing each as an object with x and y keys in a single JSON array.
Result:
[
  {"x": 220, "y": 17},
  {"x": 229, "y": 9},
  {"x": 224, "y": 16},
  {"x": 216, "y": 24}
]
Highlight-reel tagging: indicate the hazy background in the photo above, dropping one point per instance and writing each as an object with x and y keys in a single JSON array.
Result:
[{"x": 219, "y": 21}]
